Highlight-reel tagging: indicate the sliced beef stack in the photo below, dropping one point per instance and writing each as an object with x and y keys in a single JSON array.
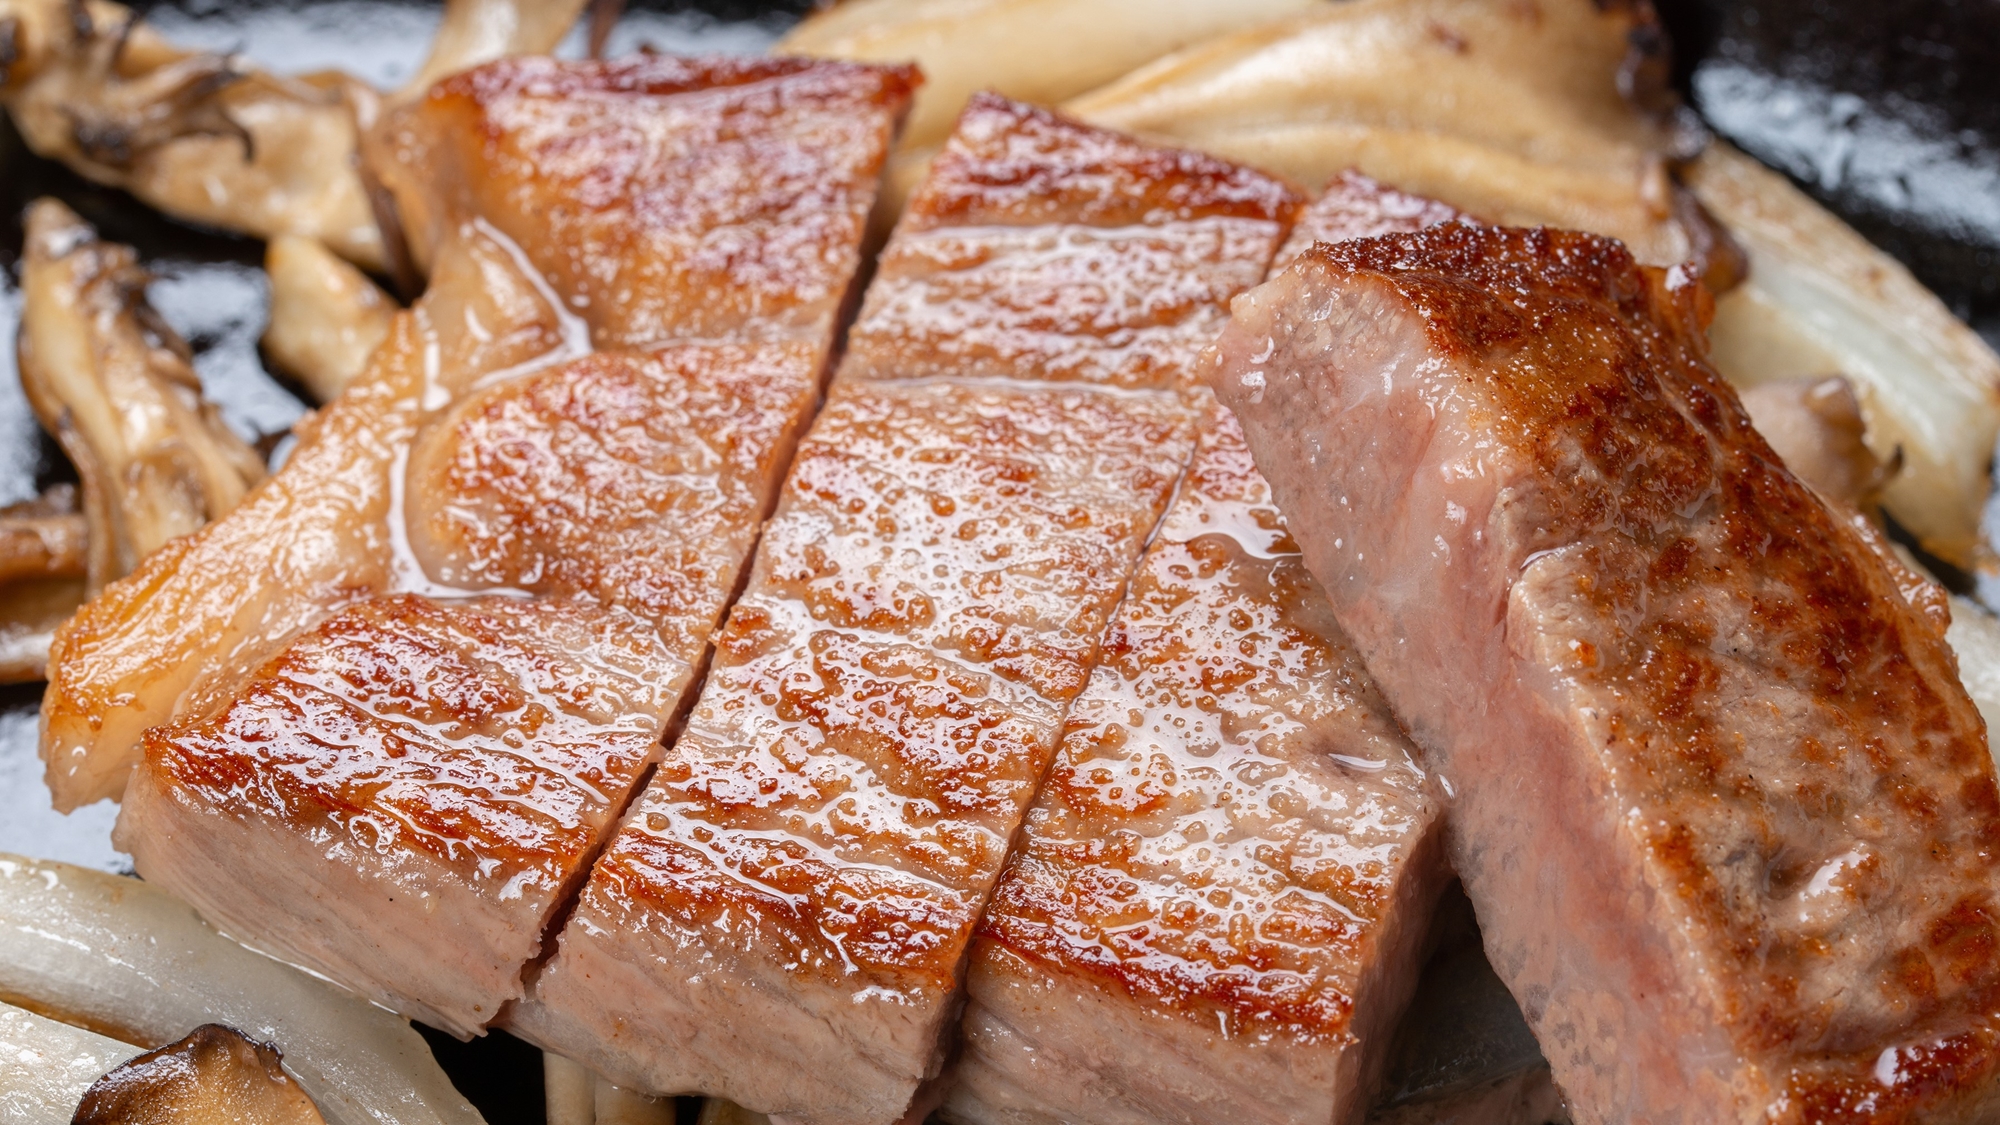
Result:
[
  {"x": 400, "y": 695},
  {"x": 1727, "y": 815},
  {"x": 1219, "y": 902},
  {"x": 784, "y": 916}
]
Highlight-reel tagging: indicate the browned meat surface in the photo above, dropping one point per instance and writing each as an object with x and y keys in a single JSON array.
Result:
[
  {"x": 1354, "y": 206},
  {"x": 1074, "y": 254},
  {"x": 418, "y": 780},
  {"x": 1727, "y": 816},
  {"x": 783, "y": 918},
  {"x": 393, "y": 704},
  {"x": 1218, "y": 903}
]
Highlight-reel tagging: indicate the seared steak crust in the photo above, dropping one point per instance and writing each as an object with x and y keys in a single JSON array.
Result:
[
  {"x": 1726, "y": 813},
  {"x": 1218, "y": 902},
  {"x": 392, "y": 705},
  {"x": 784, "y": 917}
]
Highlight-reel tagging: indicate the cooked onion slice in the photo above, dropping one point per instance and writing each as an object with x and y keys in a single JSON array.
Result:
[
  {"x": 1821, "y": 300},
  {"x": 128, "y": 959},
  {"x": 1039, "y": 51},
  {"x": 45, "y": 1066},
  {"x": 1975, "y": 637}
]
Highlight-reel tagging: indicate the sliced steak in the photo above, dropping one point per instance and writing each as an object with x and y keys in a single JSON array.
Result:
[
  {"x": 1727, "y": 816},
  {"x": 1219, "y": 904},
  {"x": 399, "y": 697},
  {"x": 1354, "y": 206},
  {"x": 783, "y": 918},
  {"x": 1219, "y": 900}
]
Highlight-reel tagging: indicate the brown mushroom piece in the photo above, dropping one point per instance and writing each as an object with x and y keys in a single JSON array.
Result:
[
  {"x": 327, "y": 317},
  {"x": 114, "y": 384},
  {"x": 207, "y": 138},
  {"x": 215, "y": 1075},
  {"x": 44, "y": 551}
]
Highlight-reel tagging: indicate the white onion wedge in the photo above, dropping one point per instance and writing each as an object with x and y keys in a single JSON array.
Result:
[
  {"x": 46, "y": 1066},
  {"x": 1035, "y": 50},
  {"x": 126, "y": 958},
  {"x": 1820, "y": 299}
]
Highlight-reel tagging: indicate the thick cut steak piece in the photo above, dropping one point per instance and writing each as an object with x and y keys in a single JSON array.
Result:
[
  {"x": 446, "y": 808},
  {"x": 1064, "y": 253},
  {"x": 783, "y": 917},
  {"x": 1726, "y": 814},
  {"x": 394, "y": 703},
  {"x": 1220, "y": 898},
  {"x": 1219, "y": 904}
]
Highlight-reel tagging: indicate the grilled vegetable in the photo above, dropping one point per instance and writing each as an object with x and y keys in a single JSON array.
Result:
[
  {"x": 127, "y": 959},
  {"x": 44, "y": 552},
  {"x": 113, "y": 383},
  {"x": 206, "y": 137},
  {"x": 1518, "y": 114},
  {"x": 213, "y": 1075},
  {"x": 1821, "y": 300},
  {"x": 1041, "y": 51},
  {"x": 327, "y": 318},
  {"x": 45, "y": 1066}
]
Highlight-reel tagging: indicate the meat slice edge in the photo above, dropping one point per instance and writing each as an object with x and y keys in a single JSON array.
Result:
[
  {"x": 529, "y": 462},
  {"x": 1723, "y": 807},
  {"x": 1219, "y": 901},
  {"x": 783, "y": 918}
]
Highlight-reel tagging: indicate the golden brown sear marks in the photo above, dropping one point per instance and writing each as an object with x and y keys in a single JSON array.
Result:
[
  {"x": 1229, "y": 871},
  {"x": 942, "y": 639},
  {"x": 1727, "y": 814},
  {"x": 391, "y": 707},
  {"x": 457, "y": 757},
  {"x": 809, "y": 860},
  {"x": 1012, "y": 164},
  {"x": 665, "y": 198},
  {"x": 1080, "y": 254},
  {"x": 636, "y": 478},
  {"x": 783, "y": 917},
  {"x": 417, "y": 716},
  {"x": 1234, "y": 855}
]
